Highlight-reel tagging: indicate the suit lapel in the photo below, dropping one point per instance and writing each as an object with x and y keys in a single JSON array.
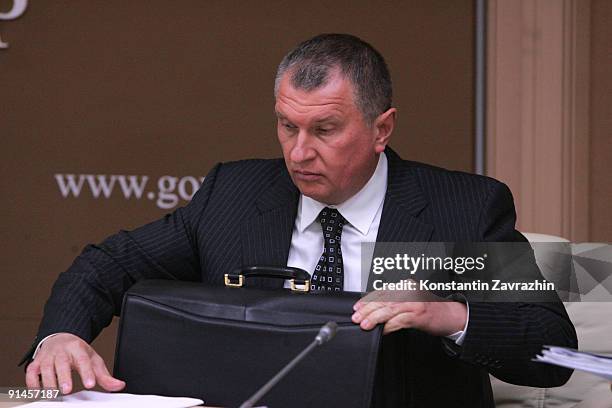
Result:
[
  {"x": 404, "y": 202},
  {"x": 266, "y": 237},
  {"x": 400, "y": 230}
]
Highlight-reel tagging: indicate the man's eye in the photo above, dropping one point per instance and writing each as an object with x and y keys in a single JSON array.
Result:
[
  {"x": 289, "y": 126},
  {"x": 324, "y": 131}
]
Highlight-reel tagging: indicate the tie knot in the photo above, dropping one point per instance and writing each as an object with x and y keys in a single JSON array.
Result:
[{"x": 330, "y": 217}]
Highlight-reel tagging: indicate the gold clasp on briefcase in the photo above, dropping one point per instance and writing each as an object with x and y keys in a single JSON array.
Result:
[
  {"x": 295, "y": 288},
  {"x": 228, "y": 281}
]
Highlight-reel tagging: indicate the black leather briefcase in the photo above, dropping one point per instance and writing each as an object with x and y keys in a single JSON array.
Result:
[{"x": 221, "y": 344}]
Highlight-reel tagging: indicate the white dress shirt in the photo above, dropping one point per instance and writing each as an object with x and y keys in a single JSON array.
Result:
[{"x": 362, "y": 213}]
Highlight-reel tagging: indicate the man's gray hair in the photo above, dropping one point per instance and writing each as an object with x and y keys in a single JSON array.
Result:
[{"x": 312, "y": 62}]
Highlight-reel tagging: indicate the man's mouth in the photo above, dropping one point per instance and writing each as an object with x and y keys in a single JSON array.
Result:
[{"x": 304, "y": 175}]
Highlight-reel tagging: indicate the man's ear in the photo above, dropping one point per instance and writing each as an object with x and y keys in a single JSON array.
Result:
[{"x": 383, "y": 126}]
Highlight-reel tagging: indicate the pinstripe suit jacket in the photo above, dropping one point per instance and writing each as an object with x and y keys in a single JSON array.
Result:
[{"x": 244, "y": 214}]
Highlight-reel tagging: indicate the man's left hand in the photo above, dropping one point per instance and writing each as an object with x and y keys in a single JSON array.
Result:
[{"x": 439, "y": 318}]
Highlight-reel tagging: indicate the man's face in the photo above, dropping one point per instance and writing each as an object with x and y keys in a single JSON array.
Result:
[{"x": 329, "y": 149}]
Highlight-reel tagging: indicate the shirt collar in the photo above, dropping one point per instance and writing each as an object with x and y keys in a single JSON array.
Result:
[{"x": 359, "y": 210}]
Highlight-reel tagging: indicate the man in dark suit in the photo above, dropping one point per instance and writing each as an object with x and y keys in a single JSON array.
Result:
[{"x": 333, "y": 103}]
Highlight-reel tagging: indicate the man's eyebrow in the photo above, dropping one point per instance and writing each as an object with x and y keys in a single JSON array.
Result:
[
  {"x": 331, "y": 118},
  {"x": 325, "y": 119}
]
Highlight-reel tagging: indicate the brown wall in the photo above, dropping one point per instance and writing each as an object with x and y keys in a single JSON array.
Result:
[
  {"x": 169, "y": 88},
  {"x": 601, "y": 122}
]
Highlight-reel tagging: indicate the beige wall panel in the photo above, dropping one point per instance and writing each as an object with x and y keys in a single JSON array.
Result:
[{"x": 538, "y": 111}]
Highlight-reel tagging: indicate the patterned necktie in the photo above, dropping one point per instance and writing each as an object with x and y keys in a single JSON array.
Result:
[{"x": 329, "y": 272}]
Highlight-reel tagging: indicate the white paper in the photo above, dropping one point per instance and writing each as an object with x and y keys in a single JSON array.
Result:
[
  {"x": 589, "y": 362},
  {"x": 95, "y": 399}
]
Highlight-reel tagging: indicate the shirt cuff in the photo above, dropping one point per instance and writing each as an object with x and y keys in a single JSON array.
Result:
[
  {"x": 40, "y": 344},
  {"x": 460, "y": 335}
]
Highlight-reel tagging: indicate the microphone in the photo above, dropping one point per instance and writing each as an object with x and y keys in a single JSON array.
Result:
[{"x": 326, "y": 333}]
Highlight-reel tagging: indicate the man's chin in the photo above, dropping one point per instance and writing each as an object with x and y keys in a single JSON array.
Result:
[
  {"x": 314, "y": 193},
  {"x": 315, "y": 190},
  {"x": 319, "y": 196}
]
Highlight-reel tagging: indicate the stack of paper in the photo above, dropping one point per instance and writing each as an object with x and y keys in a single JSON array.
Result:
[
  {"x": 565, "y": 357},
  {"x": 94, "y": 399}
]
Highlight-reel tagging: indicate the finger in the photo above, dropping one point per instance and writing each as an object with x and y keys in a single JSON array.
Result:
[
  {"x": 64, "y": 375},
  {"x": 397, "y": 322},
  {"x": 365, "y": 310},
  {"x": 104, "y": 378},
  {"x": 82, "y": 362},
  {"x": 32, "y": 375},
  {"x": 379, "y": 315},
  {"x": 47, "y": 370}
]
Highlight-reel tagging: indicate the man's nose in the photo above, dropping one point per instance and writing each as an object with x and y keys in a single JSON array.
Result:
[{"x": 302, "y": 150}]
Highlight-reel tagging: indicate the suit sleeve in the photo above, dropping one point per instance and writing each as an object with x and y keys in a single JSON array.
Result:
[
  {"x": 85, "y": 297},
  {"x": 504, "y": 336}
]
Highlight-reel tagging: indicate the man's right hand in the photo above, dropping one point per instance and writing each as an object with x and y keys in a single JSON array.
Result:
[{"x": 58, "y": 355}]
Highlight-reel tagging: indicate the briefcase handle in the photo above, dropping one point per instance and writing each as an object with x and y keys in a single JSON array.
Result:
[{"x": 296, "y": 276}]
